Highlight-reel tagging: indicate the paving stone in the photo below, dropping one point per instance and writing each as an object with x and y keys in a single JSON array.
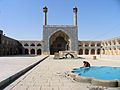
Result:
[{"x": 50, "y": 75}]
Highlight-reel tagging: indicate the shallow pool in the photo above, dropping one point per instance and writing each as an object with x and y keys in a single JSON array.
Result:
[{"x": 102, "y": 73}]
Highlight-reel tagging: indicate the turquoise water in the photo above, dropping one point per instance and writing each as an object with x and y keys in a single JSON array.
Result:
[{"x": 102, "y": 73}]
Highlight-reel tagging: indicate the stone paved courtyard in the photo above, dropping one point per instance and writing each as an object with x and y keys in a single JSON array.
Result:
[
  {"x": 11, "y": 65},
  {"x": 50, "y": 75}
]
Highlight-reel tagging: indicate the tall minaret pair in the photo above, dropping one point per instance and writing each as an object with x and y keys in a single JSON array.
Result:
[{"x": 75, "y": 10}]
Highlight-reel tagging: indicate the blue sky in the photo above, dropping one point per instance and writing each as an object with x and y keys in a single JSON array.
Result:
[{"x": 97, "y": 19}]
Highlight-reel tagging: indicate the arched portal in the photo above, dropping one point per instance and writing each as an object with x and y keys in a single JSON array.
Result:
[
  {"x": 93, "y": 52},
  {"x": 26, "y": 51},
  {"x": 98, "y": 51},
  {"x": 81, "y": 52},
  {"x": 103, "y": 51},
  {"x": 86, "y": 51},
  {"x": 39, "y": 52},
  {"x": 32, "y": 51},
  {"x": 59, "y": 41}
]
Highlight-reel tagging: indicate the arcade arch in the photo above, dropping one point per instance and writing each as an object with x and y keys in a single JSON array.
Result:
[
  {"x": 86, "y": 51},
  {"x": 81, "y": 52},
  {"x": 39, "y": 52},
  {"x": 93, "y": 52},
  {"x": 26, "y": 51},
  {"x": 32, "y": 51}
]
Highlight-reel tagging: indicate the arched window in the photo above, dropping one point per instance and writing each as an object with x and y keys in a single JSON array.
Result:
[
  {"x": 32, "y": 44},
  {"x": 26, "y": 51},
  {"x": 39, "y": 52},
  {"x": 32, "y": 51},
  {"x": 92, "y": 51},
  {"x": 81, "y": 52},
  {"x": 86, "y": 51},
  {"x": 39, "y": 44},
  {"x": 26, "y": 44}
]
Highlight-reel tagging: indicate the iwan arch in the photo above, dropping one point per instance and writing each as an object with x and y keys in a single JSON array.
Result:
[
  {"x": 60, "y": 37},
  {"x": 59, "y": 41}
]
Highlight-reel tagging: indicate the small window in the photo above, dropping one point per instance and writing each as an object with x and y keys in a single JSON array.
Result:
[
  {"x": 39, "y": 44},
  {"x": 32, "y": 45},
  {"x": 26, "y": 44}
]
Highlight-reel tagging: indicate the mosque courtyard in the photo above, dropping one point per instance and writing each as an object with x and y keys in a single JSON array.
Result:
[
  {"x": 50, "y": 74},
  {"x": 41, "y": 55}
]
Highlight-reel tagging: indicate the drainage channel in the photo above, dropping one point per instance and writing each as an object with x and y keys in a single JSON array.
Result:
[{"x": 11, "y": 79}]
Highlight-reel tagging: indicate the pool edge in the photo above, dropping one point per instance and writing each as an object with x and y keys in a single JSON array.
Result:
[{"x": 93, "y": 81}]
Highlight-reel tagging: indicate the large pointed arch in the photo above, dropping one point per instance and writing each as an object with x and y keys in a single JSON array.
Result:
[{"x": 59, "y": 41}]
